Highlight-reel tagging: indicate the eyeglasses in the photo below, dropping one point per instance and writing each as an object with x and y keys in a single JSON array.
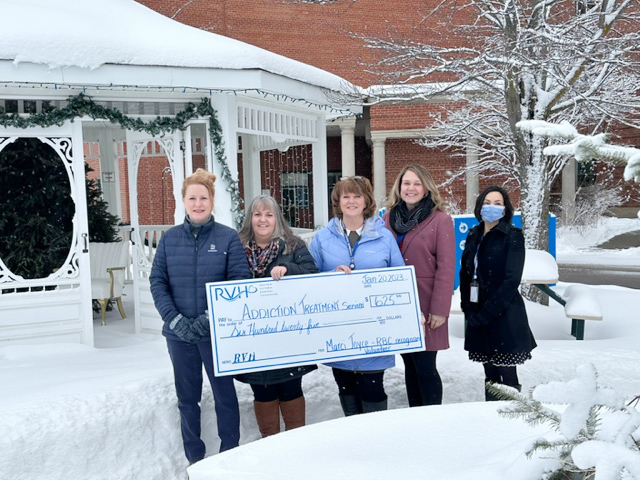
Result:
[{"x": 355, "y": 177}]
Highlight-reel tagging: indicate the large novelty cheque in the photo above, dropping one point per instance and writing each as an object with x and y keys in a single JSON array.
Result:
[{"x": 262, "y": 324}]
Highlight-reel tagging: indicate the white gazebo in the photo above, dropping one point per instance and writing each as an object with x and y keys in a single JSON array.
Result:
[{"x": 106, "y": 65}]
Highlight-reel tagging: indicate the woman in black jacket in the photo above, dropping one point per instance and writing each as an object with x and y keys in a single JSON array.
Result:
[
  {"x": 497, "y": 332},
  {"x": 273, "y": 250}
]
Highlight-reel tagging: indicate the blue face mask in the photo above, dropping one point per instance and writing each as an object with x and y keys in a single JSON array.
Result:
[{"x": 492, "y": 213}]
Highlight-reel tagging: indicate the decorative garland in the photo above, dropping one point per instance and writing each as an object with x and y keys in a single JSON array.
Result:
[
  {"x": 345, "y": 98},
  {"x": 82, "y": 105}
]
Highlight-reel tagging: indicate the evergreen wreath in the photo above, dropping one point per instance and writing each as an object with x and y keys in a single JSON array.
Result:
[{"x": 82, "y": 105}]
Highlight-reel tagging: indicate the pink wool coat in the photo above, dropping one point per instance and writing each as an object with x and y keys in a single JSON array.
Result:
[{"x": 431, "y": 248}]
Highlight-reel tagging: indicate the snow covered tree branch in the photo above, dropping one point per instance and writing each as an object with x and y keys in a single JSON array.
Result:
[
  {"x": 585, "y": 147},
  {"x": 598, "y": 432},
  {"x": 515, "y": 60}
]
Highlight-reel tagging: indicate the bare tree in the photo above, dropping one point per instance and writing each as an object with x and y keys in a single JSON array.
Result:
[{"x": 552, "y": 60}]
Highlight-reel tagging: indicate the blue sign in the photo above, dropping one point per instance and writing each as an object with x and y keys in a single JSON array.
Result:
[{"x": 464, "y": 223}]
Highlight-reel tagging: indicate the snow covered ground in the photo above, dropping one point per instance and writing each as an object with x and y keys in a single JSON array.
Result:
[
  {"x": 78, "y": 413},
  {"x": 579, "y": 246}
]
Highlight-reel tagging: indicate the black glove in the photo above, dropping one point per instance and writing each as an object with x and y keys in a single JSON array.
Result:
[
  {"x": 181, "y": 326},
  {"x": 201, "y": 325}
]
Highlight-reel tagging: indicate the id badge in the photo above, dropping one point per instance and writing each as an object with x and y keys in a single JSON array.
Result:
[{"x": 473, "y": 293}]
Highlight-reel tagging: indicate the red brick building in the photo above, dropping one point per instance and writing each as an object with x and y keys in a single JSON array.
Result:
[{"x": 325, "y": 34}]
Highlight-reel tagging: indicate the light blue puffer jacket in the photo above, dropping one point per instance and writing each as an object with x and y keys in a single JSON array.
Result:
[{"x": 376, "y": 249}]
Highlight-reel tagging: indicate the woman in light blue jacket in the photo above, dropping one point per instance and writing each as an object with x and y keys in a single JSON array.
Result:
[{"x": 356, "y": 239}]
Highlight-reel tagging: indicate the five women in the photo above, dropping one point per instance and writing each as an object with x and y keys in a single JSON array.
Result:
[
  {"x": 274, "y": 251},
  {"x": 355, "y": 238},
  {"x": 425, "y": 235},
  {"x": 418, "y": 233}
]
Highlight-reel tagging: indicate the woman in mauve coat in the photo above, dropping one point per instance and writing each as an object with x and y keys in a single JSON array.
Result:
[{"x": 425, "y": 235}]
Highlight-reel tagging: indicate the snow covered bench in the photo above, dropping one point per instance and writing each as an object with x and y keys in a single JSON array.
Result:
[
  {"x": 580, "y": 305},
  {"x": 541, "y": 270}
]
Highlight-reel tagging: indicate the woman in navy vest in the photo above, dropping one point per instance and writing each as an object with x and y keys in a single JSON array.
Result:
[{"x": 189, "y": 255}]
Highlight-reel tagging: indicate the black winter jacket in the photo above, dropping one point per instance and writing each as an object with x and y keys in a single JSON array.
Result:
[
  {"x": 498, "y": 322},
  {"x": 298, "y": 262},
  {"x": 183, "y": 264}
]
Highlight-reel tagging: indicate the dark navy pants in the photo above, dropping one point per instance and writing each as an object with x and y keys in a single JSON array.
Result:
[
  {"x": 423, "y": 382},
  {"x": 187, "y": 362},
  {"x": 365, "y": 386}
]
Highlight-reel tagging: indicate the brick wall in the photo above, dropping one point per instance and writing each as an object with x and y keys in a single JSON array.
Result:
[
  {"x": 320, "y": 35},
  {"x": 401, "y": 152},
  {"x": 407, "y": 116},
  {"x": 323, "y": 36}
]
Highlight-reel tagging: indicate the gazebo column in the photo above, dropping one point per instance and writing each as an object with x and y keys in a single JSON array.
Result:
[
  {"x": 379, "y": 169},
  {"x": 472, "y": 181},
  {"x": 226, "y": 107},
  {"x": 108, "y": 165},
  {"x": 319, "y": 162},
  {"x": 569, "y": 176},
  {"x": 347, "y": 133},
  {"x": 252, "y": 182}
]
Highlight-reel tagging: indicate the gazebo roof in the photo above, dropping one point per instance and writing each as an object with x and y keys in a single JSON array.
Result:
[{"x": 48, "y": 37}]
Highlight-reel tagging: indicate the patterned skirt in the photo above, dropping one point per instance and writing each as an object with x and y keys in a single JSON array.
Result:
[{"x": 501, "y": 359}]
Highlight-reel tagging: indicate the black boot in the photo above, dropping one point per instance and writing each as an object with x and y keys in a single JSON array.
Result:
[
  {"x": 350, "y": 405},
  {"x": 368, "y": 407},
  {"x": 489, "y": 396}
]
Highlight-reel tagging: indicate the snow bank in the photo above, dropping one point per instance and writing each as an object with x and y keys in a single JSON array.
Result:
[
  {"x": 473, "y": 441},
  {"x": 101, "y": 436}
]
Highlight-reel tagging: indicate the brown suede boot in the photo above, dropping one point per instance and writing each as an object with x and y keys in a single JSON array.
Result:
[
  {"x": 268, "y": 417},
  {"x": 293, "y": 413}
]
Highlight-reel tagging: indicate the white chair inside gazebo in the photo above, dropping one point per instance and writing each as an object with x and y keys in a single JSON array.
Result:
[{"x": 109, "y": 262}]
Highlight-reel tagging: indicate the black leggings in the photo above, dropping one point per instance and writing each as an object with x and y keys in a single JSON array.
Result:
[
  {"x": 366, "y": 386},
  {"x": 423, "y": 382},
  {"x": 504, "y": 375},
  {"x": 284, "y": 391}
]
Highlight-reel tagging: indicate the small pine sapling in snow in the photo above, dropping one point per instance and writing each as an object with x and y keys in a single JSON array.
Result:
[{"x": 598, "y": 436}]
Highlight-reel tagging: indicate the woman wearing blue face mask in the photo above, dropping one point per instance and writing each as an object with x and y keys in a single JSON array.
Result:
[{"x": 497, "y": 332}]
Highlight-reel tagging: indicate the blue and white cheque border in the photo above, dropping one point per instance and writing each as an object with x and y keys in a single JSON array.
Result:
[{"x": 261, "y": 324}]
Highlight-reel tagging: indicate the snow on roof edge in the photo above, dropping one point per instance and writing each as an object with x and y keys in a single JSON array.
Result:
[{"x": 91, "y": 33}]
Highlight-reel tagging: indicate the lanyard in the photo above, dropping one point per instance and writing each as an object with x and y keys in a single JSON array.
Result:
[
  {"x": 475, "y": 260},
  {"x": 352, "y": 251}
]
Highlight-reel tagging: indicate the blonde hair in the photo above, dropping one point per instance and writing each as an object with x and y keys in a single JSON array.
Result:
[
  {"x": 358, "y": 185},
  {"x": 200, "y": 177},
  {"x": 427, "y": 181}
]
